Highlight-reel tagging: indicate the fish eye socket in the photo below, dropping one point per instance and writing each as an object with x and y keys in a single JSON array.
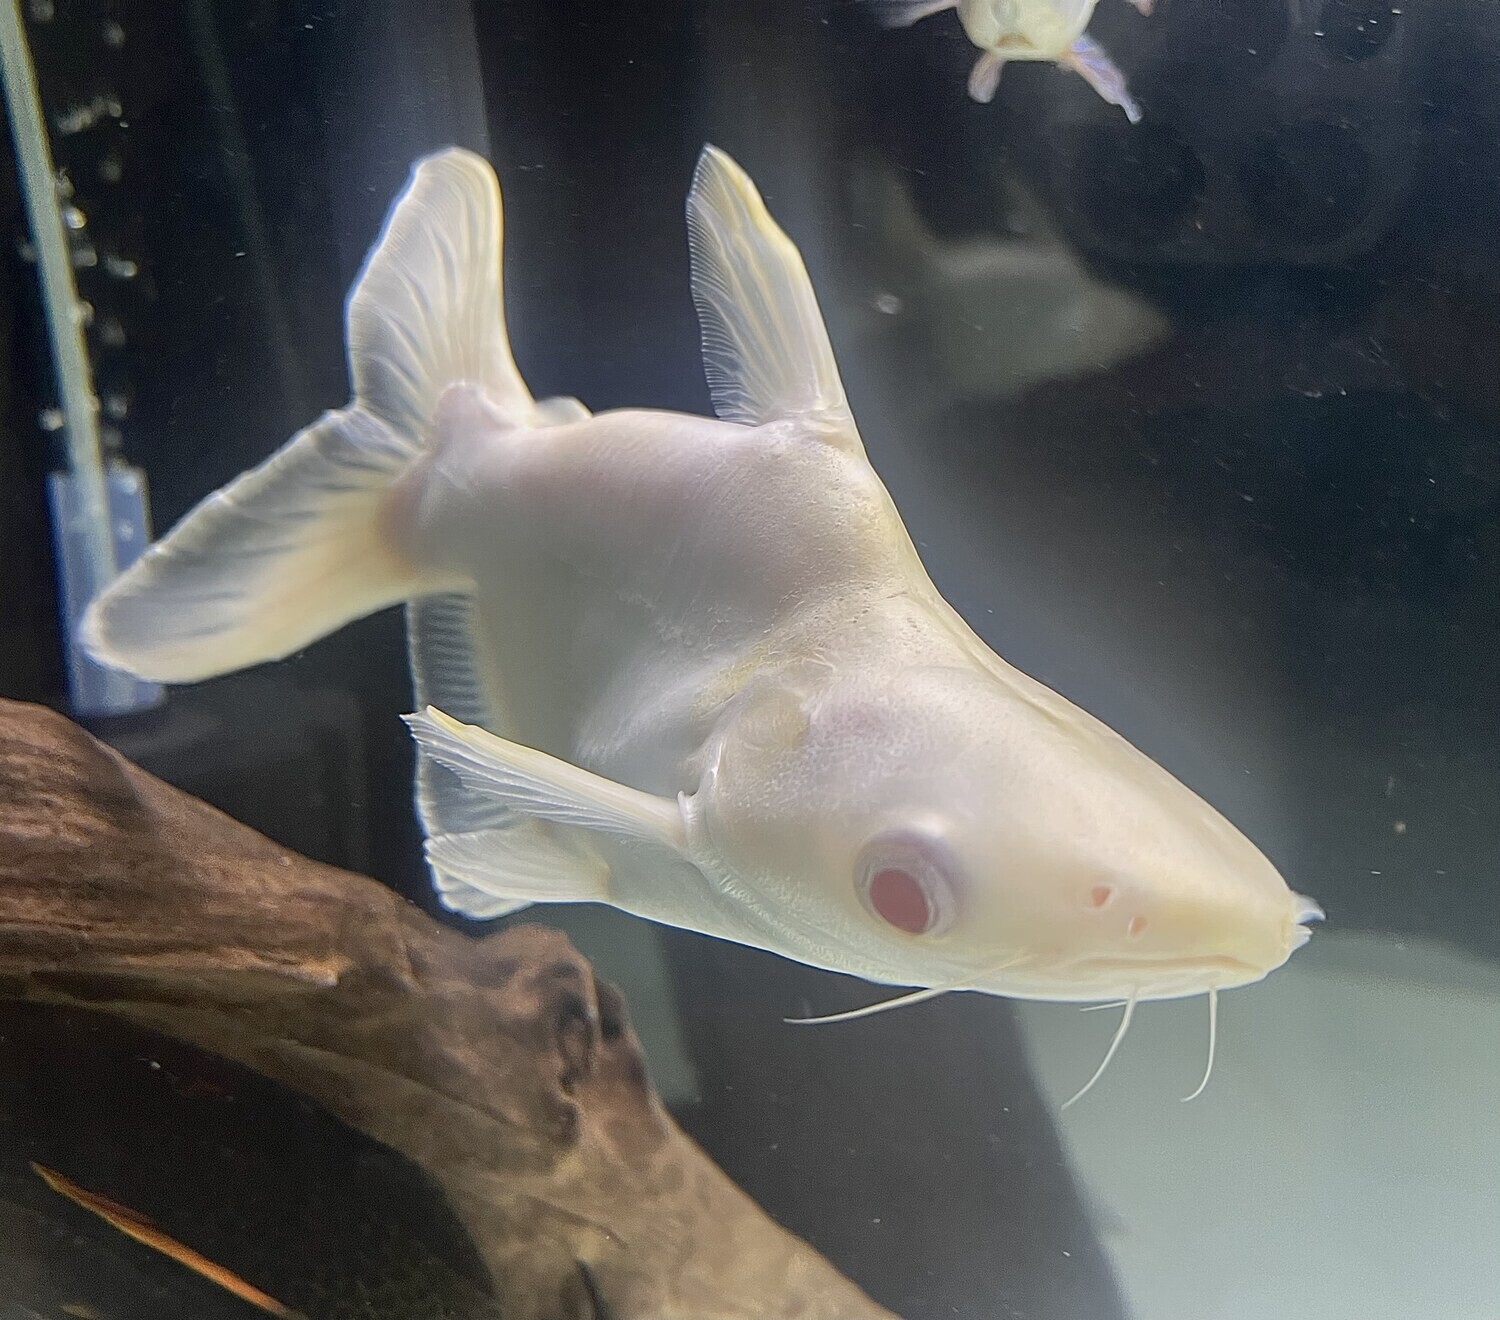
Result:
[{"x": 906, "y": 881}]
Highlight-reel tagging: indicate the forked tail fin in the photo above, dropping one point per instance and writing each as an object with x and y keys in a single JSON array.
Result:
[{"x": 295, "y": 548}]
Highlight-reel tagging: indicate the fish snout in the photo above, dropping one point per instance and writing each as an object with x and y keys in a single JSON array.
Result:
[
  {"x": 1190, "y": 943},
  {"x": 1258, "y": 932}
]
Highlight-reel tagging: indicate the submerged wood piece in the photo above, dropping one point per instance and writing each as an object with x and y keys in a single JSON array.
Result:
[{"x": 499, "y": 1065}]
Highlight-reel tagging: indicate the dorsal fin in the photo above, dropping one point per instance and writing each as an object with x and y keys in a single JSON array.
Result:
[{"x": 765, "y": 347}]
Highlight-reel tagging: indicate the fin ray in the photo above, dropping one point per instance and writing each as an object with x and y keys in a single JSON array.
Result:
[
  {"x": 297, "y": 547},
  {"x": 765, "y": 347},
  {"x": 443, "y": 651},
  {"x": 282, "y": 556},
  {"x": 536, "y": 784},
  {"x": 427, "y": 310}
]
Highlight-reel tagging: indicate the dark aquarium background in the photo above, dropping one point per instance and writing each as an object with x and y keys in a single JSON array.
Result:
[{"x": 1197, "y": 421}]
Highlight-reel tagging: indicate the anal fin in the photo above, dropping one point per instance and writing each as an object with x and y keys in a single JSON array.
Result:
[
  {"x": 553, "y": 817},
  {"x": 489, "y": 873},
  {"x": 442, "y": 648},
  {"x": 475, "y": 831}
]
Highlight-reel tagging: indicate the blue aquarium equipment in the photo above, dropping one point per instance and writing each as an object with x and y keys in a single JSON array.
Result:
[{"x": 99, "y": 511}]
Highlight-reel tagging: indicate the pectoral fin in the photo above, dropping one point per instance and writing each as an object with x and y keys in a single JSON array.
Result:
[
  {"x": 984, "y": 78},
  {"x": 546, "y": 787},
  {"x": 533, "y": 821},
  {"x": 903, "y": 13},
  {"x": 1087, "y": 59}
]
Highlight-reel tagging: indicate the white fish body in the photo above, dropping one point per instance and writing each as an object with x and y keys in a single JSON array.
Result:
[
  {"x": 690, "y": 667},
  {"x": 1005, "y": 30}
]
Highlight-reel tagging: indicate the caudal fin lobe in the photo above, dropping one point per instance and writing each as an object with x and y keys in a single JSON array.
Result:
[{"x": 295, "y": 548}]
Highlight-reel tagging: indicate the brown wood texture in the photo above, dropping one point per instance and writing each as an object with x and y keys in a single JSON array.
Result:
[{"x": 499, "y": 1064}]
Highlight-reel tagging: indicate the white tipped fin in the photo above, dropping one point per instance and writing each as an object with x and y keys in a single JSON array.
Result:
[
  {"x": 765, "y": 347},
  {"x": 536, "y": 784},
  {"x": 281, "y": 556},
  {"x": 490, "y": 873},
  {"x": 426, "y": 311}
]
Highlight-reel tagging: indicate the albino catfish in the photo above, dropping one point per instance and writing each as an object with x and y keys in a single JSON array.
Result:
[
  {"x": 1006, "y": 30},
  {"x": 689, "y": 667}
]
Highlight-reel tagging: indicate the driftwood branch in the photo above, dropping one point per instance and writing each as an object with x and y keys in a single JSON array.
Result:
[{"x": 499, "y": 1065}]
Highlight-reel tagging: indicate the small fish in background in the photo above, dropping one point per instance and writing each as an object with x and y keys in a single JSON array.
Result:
[
  {"x": 694, "y": 668},
  {"x": 1007, "y": 30},
  {"x": 142, "y": 1230}
]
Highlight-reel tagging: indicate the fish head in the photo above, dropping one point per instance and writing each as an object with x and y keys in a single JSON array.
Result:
[{"x": 964, "y": 828}]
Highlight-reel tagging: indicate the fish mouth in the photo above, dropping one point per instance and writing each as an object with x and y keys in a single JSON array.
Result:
[
  {"x": 1212, "y": 971},
  {"x": 1216, "y": 970},
  {"x": 1146, "y": 963},
  {"x": 1094, "y": 979},
  {"x": 1308, "y": 910},
  {"x": 1119, "y": 974}
]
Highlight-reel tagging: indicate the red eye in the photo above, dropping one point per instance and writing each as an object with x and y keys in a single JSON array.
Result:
[
  {"x": 898, "y": 896},
  {"x": 904, "y": 880}
]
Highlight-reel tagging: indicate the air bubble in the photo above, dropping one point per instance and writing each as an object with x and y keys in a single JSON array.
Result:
[
  {"x": 1357, "y": 30},
  {"x": 77, "y": 118}
]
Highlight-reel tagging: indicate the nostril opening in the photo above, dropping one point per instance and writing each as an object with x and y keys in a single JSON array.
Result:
[
  {"x": 1100, "y": 895},
  {"x": 1137, "y": 925}
]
